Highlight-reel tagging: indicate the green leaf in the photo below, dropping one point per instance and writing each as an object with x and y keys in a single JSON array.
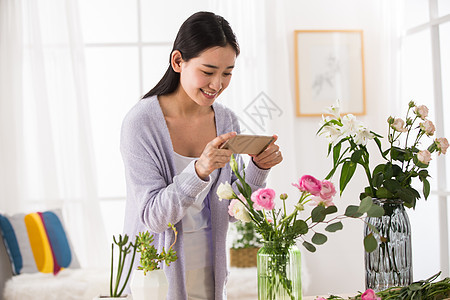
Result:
[
  {"x": 334, "y": 227},
  {"x": 330, "y": 210},
  {"x": 370, "y": 243},
  {"x": 348, "y": 169},
  {"x": 330, "y": 145},
  {"x": 319, "y": 238},
  {"x": 352, "y": 211},
  {"x": 423, "y": 174},
  {"x": 396, "y": 170},
  {"x": 248, "y": 190},
  {"x": 365, "y": 205},
  {"x": 356, "y": 156},
  {"x": 377, "y": 180},
  {"x": 241, "y": 190},
  {"x": 375, "y": 211},
  {"x": 378, "y": 169},
  {"x": 406, "y": 195},
  {"x": 392, "y": 185},
  {"x": 336, "y": 153},
  {"x": 317, "y": 214},
  {"x": 398, "y": 154},
  {"x": 388, "y": 171},
  {"x": 300, "y": 227},
  {"x": 310, "y": 247},
  {"x": 426, "y": 188},
  {"x": 377, "y": 140},
  {"x": 383, "y": 193},
  {"x": 373, "y": 228}
]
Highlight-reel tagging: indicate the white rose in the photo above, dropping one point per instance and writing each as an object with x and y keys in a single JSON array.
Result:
[
  {"x": 421, "y": 111},
  {"x": 225, "y": 191},
  {"x": 442, "y": 145},
  {"x": 428, "y": 127},
  {"x": 424, "y": 156},
  {"x": 399, "y": 125}
]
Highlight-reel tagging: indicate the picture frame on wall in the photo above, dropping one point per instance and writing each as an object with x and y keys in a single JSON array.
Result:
[{"x": 329, "y": 66}]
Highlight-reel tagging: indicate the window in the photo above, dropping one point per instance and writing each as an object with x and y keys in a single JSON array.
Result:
[
  {"x": 425, "y": 66},
  {"x": 127, "y": 47}
]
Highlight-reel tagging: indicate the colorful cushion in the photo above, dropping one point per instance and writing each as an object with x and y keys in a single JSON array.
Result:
[{"x": 37, "y": 242}]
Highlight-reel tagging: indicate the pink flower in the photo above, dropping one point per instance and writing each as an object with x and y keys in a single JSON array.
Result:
[
  {"x": 421, "y": 111},
  {"x": 369, "y": 294},
  {"x": 424, "y": 156},
  {"x": 428, "y": 127},
  {"x": 442, "y": 145},
  {"x": 316, "y": 201},
  {"x": 263, "y": 199},
  {"x": 328, "y": 191},
  {"x": 399, "y": 125},
  {"x": 309, "y": 184}
]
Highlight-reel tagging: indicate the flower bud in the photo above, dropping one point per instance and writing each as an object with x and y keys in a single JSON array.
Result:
[
  {"x": 225, "y": 191},
  {"x": 233, "y": 164},
  {"x": 283, "y": 196},
  {"x": 300, "y": 207},
  {"x": 411, "y": 104}
]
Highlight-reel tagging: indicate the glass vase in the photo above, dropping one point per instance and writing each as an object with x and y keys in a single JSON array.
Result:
[
  {"x": 279, "y": 272},
  {"x": 391, "y": 262}
]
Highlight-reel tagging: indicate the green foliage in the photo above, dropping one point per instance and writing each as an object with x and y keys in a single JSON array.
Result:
[
  {"x": 419, "y": 290},
  {"x": 125, "y": 248},
  {"x": 285, "y": 229},
  {"x": 150, "y": 258},
  {"x": 389, "y": 180}
]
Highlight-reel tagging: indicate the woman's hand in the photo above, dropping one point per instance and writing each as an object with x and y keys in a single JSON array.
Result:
[
  {"x": 213, "y": 157},
  {"x": 269, "y": 157}
]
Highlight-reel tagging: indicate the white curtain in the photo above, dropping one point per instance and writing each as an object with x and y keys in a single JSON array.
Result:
[
  {"x": 260, "y": 91},
  {"x": 46, "y": 153}
]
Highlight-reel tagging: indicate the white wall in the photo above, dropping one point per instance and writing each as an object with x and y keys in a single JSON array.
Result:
[{"x": 338, "y": 266}]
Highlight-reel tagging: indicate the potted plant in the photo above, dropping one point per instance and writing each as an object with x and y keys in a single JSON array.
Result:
[
  {"x": 245, "y": 245},
  {"x": 115, "y": 287},
  {"x": 155, "y": 283},
  {"x": 149, "y": 261}
]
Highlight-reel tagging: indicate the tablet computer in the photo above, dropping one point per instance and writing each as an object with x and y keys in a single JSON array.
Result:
[{"x": 248, "y": 144}]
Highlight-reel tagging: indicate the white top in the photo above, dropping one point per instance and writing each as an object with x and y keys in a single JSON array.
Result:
[{"x": 196, "y": 223}]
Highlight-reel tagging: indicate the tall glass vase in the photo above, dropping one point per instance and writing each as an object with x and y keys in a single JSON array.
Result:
[
  {"x": 279, "y": 272},
  {"x": 391, "y": 262}
]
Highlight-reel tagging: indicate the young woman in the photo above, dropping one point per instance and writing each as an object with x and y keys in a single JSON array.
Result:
[{"x": 170, "y": 145}]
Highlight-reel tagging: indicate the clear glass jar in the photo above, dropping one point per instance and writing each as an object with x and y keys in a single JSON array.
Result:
[
  {"x": 391, "y": 263},
  {"x": 279, "y": 272}
]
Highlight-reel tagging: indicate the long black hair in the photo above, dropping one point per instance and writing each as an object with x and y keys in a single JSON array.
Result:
[{"x": 198, "y": 33}]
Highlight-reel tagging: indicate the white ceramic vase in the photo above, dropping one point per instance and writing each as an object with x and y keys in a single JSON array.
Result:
[{"x": 153, "y": 286}]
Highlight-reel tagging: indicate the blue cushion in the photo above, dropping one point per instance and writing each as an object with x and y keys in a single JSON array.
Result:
[{"x": 37, "y": 242}]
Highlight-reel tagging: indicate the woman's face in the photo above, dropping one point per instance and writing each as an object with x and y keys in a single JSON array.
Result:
[{"x": 205, "y": 77}]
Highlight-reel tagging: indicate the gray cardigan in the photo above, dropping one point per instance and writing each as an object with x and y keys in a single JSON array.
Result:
[{"x": 156, "y": 197}]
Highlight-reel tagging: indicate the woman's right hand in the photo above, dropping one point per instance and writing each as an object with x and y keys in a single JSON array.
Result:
[{"x": 213, "y": 157}]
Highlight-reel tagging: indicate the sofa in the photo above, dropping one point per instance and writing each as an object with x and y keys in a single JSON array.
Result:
[
  {"x": 37, "y": 260},
  {"x": 73, "y": 282}
]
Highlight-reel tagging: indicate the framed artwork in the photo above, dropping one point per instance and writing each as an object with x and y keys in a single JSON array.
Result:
[{"x": 329, "y": 66}]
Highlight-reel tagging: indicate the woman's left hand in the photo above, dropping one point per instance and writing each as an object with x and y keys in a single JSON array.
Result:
[{"x": 269, "y": 157}]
